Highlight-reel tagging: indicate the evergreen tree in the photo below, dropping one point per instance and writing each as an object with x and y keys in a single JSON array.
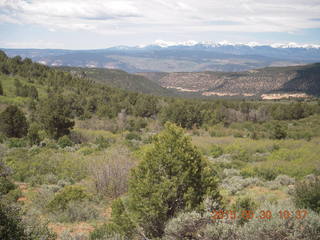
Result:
[
  {"x": 13, "y": 122},
  {"x": 279, "y": 131},
  {"x": 183, "y": 113},
  {"x": 1, "y": 89},
  {"x": 33, "y": 134},
  {"x": 54, "y": 114},
  {"x": 33, "y": 93},
  {"x": 11, "y": 227},
  {"x": 172, "y": 177}
]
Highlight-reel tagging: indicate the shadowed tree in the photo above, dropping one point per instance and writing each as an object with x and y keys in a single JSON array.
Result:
[
  {"x": 1, "y": 89},
  {"x": 54, "y": 115},
  {"x": 13, "y": 122}
]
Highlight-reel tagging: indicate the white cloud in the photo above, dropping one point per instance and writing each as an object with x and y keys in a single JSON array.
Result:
[
  {"x": 33, "y": 44},
  {"x": 141, "y": 16}
]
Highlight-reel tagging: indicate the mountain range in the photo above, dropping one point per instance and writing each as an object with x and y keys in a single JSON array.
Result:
[{"x": 187, "y": 56}]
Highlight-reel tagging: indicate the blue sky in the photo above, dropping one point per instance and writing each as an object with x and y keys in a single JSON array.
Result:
[{"x": 92, "y": 24}]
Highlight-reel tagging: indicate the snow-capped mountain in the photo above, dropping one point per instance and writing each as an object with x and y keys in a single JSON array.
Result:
[
  {"x": 188, "y": 56},
  {"x": 190, "y": 43}
]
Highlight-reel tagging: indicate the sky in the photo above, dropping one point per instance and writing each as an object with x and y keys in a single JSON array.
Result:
[{"x": 94, "y": 24}]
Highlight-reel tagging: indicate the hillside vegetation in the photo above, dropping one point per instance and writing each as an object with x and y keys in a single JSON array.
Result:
[
  {"x": 83, "y": 160},
  {"x": 119, "y": 79},
  {"x": 296, "y": 79}
]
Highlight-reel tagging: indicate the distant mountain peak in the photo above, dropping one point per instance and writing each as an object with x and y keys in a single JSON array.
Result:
[{"x": 190, "y": 43}]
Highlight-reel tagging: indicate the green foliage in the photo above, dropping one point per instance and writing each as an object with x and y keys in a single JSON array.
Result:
[
  {"x": 279, "y": 131},
  {"x": 1, "y": 89},
  {"x": 54, "y": 115},
  {"x": 67, "y": 195},
  {"x": 13, "y": 122},
  {"x": 33, "y": 134},
  {"x": 6, "y": 185},
  {"x": 216, "y": 151},
  {"x": 25, "y": 90},
  {"x": 13, "y": 195},
  {"x": 17, "y": 142},
  {"x": 243, "y": 205},
  {"x": 182, "y": 113},
  {"x": 11, "y": 226},
  {"x": 136, "y": 124},
  {"x": 120, "y": 224},
  {"x": 133, "y": 136},
  {"x": 65, "y": 142},
  {"x": 307, "y": 194},
  {"x": 267, "y": 173},
  {"x": 76, "y": 211},
  {"x": 120, "y": 219},
  {"x": 171, "y": 177},
  {"x": 146, "y": 106},
  {"x": 102, "y": 142}
]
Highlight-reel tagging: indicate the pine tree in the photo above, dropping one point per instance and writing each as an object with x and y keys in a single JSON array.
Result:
[
  {"x": 1, "y": 89},
  {"x": 54, "y": 115},
  {"x": 13, "y": 122},
  {"x": 172, "y": 177}
]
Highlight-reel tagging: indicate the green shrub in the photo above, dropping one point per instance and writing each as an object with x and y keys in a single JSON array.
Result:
[
  {"x": 136, "y": 124},
  {"x": 120, "y": 224},
  {"x": 33, "y": 134},
  {"x": 102, "y": 142},
  {"x": 11, "y": 226},
  {"x": 17, "y": 143},
  {"x": 216, "y": 151},
  {"x": 133, "y": 136},
  {"x": 267, "y": 173},
  {"x": 77, "y": 211},
  {"x": 243, "y": 205},
  {"x": 13, "y": 122},
  {"x": 65, "y": 142},
  {"x": 13, "y": 195},
  {"x": 87, "y": 150},
  {"x": 279, "y": 131},
  {"x": 3, "y": 138},
  {"x": 66, "y": 195},
  {"x": 171, "y": 177},
  {"x": 6, "y": 186},
  {"x": 307, "y": 194}
]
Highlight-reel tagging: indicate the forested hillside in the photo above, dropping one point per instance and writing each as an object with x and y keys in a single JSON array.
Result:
[
  {"x": 119, "y": 79},
  {"x": 84, "y": 160},
  {"x": 282, "y": 80}
]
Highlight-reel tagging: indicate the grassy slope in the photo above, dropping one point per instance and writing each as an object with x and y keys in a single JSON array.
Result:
[{"x": 121, "y": 79}]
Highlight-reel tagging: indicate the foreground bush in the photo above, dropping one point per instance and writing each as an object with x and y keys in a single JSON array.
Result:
[
  {"x": 12, "y": 227},
  {"x": 65, "y": 142},
  {"x": 307, "y": 194},
  {"x": 67, "y": 195},
  {"x": 6, "y": 185},
  {"x": 172, "y": 177}
]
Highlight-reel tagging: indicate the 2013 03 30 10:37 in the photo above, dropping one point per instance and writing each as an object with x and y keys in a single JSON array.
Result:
[{"x": 262, "y": 214}]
